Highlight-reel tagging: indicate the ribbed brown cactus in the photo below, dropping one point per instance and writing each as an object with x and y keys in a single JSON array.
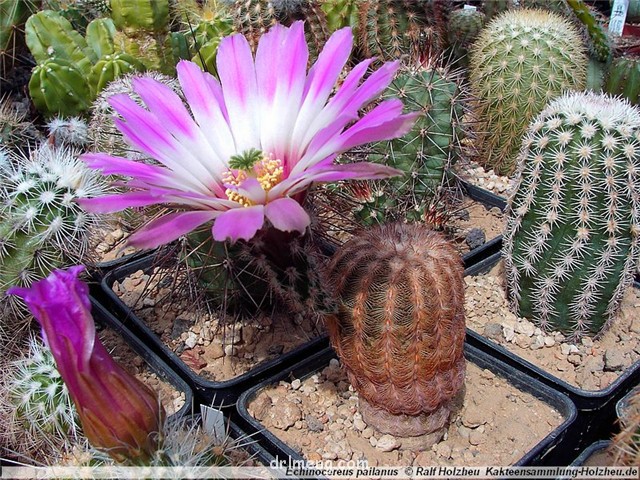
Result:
[{"x": 400, "y": 328}]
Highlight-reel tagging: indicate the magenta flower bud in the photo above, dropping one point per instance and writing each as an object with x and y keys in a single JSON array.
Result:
[{"x": 119, "y": 413}]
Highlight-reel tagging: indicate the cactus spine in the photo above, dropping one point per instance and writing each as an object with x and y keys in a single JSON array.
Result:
[
  {"x": 400, "y": 329},
  {"x": 571, "y": 241},
  {"x": 13, "y": 15},
  {"x": 41, "y": 227},
  {"x": 521, "y": 61},
  {"x": 426, "y": 152},
  {"x": 40, "y": 398},
  {"x": 390, "y": 29}
]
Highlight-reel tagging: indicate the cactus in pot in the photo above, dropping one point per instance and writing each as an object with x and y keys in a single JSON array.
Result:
[
  {"x": 400, "y": 328},
  {"x": 573, "y": 220},
  {"x": 521, "y": 61}
]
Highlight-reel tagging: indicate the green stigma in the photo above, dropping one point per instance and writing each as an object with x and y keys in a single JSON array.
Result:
[{"x": 246, "y": 160}]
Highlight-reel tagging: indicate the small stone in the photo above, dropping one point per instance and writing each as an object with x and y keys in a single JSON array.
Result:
[
  {"x": 635, "y": 325},
  {"x": 508, "y": 332},
  {"x": 549, "y": 341},
  {"x": 117, "y": 234},
  {"x": 613, "y": 360},
  {"x": 313, "y": 424},
  {"x": 285, "y": 415},
  {"x": 567, "y": 349},
  {"x": 359, "y": 424},
  {"x": 538, "y": 343},
  {"x": 367, "y": 432},
  {"x": 476, "y": 436},
  {"x": 587, "y": 342},
  {"x": 275, "y": 349},
  {"x": 443, "y": 450},
  {"x": 295, "y": 384},
  {"x": 574, "y": 359},
  {"x": 387, "y": 443},
  {"x": 230, "y": 350},
  {"x": 493, "y": 331},
  {"x": 373, "y": 441},
  {"x": 180, "y": 325},
  {"x": 475, "y": 238},
  {"x": 215, "y": 350},
  {"x": 523, "y": 341},
  {"x": 192, "y": 340},
  {"x": 525, "y": 327}
]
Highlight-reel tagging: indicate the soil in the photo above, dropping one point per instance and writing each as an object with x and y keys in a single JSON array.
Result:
[
  {"x": 216, "y": 348},
  {"x": 590, "y": 364},
  {"x": 474, "y": 216},
  {"x": 318, "y": 417},
  {"x": 172, "y": 399}
]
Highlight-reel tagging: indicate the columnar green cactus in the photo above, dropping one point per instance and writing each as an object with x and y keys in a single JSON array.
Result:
[
  {"x": 150, "y": 15},
  {"x": 521, "y": 61},
  {"x": 400, "y": 328},
  {"x": 50, "y": 35},
  {"x": 600, "y": 43},
  {"x": 13, "y": 15},
  {"x": 624, "y": 78},
  {"x": 390, "y": 29},
  {"x": 79, "y": 12},
  {"x": 426, "y": 152},
  {"x": 41, "y": 227},
  {"x": 57, "y": 86},
  {"x": 571, "y": 242},
  {"x": 99, "y": 36},
  {"x": 316, "y": 28}
]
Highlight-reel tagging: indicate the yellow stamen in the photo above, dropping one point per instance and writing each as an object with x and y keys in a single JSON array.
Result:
[{"x": 267, "y": 171}]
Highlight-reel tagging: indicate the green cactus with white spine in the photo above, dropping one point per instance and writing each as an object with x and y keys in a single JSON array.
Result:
[
  {"x": 573, "y": 222},
  {"x": 521, "y": 61},
  {"x": 623, "y": 78},
  {"x": 39, "y": 395},
  {"x": 57, "y": 86},
  {"x": 426, "y": 152},
  {"x": 41, "y": 226}
]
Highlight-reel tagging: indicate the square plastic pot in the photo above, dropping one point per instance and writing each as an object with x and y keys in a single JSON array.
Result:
[{"x": 551, "y": 450}]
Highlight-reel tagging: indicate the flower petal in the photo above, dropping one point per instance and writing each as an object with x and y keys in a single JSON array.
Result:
[
  {"x": 118, "y": 202},
  {"x": 320, "y": 83},
  {"x": 333, "y": 173},
  {"x": 110, "y": 165},
  {"x": 239, "y": 223},
  {"x": 238, "y": 77},
  {"x": 287, "y": 215},
  {"x": 170, "y": 227},
  {"x": 281, "y": 68}
]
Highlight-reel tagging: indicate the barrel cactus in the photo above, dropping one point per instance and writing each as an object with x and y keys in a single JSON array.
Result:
[
  {"x": 110, "y": 67},
  {"x": 571, "y": 241},
  {"x": 464, "y": 27},
  {"x": 399, "y": 329},
  {"x": 425, "y": 153},
  {"x": 521, "y": 61}
]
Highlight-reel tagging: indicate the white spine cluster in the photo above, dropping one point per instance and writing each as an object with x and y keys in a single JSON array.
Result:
[{"x": 571, "y": 241}]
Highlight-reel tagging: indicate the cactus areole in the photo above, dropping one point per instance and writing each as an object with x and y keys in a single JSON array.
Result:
[
  {"x": 400, "y": 327},
  {"x": 571, "y": 241}
]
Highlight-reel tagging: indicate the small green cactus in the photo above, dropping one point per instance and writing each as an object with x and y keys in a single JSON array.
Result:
[
  {"x": 390, "y": 29},
  {"x": 149, "y": 15},
  {"x": 463, "y": 29},
  {"x": 624, "y": 79},
  {"x": 573, "y": 221},
  {"x": 79, "y": 12},
  {"x": 99, "y": 36},
  {"x": 110, "y": 67},
  {"x": 521, "y": 61},
  {"x": 341, "y": 13},
  {"x": 400, "y": 326},
  {"x": 58, "y": 87},
  {"x": 41, "y": 227},
  {"x": 425, "y": 153},
  {"x": 39, "y": 396},
  {"x": 600, "y": 43}
]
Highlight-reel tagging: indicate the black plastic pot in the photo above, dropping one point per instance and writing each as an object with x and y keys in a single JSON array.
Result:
[
  {"x": 596, "y": 409},
  {"x": 157, "y": 366},
  {"x": 590, "y": 451},
  {"x": 552, "y": 450}
]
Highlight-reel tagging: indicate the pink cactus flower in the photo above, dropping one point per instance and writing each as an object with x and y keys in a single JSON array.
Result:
[
  {"x": 245, "y": 149},
  {"x": 118, "y": 413}
]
